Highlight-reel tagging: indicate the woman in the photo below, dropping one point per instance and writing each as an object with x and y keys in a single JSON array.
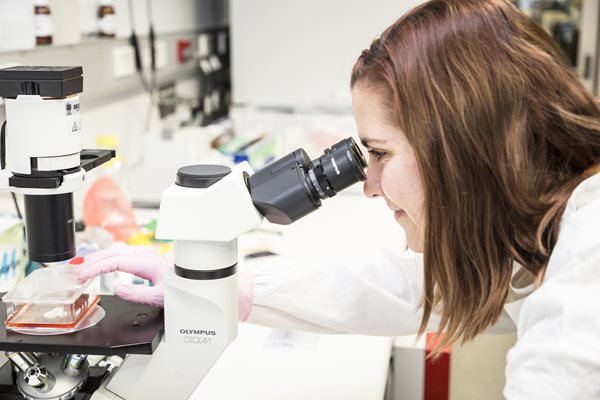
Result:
[{"x": 486, "y": 147}]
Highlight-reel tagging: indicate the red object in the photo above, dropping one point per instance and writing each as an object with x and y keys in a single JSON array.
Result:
[
  {"x": 437, "y": 371},
  {"x": 105, "y": 205},
  {"x": 76, "y": 260},
  {"x": 183, "y": 50}
]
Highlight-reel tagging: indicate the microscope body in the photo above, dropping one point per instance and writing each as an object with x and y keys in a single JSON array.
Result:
[
  {"x": 45, "y": 130},
  {"x": 204, "y": 212},
  {"x": 204, "y": 219}
]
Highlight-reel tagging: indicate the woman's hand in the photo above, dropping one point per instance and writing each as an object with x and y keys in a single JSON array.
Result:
[{"x": 137, "y": 260}]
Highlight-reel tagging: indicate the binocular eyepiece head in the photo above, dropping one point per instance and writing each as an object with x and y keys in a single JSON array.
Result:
[{"x": 294, "y": 186}]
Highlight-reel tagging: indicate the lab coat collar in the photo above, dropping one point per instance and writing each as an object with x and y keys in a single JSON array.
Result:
[
  {"x": 584, "y": 193},
  {"x": 521, "y": 282}
]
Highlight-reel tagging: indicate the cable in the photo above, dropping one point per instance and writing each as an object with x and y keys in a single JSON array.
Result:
[
  {"x": 133, "y": 41},
  {"x": 3, "y": 144},
  {"x": 153, "y": 75},
  {"x": 152, "y": 38},
  {"x": 14, "y": 197}
]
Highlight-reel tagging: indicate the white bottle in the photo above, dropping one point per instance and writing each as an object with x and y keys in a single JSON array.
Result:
[
  {"x": 43, "y": 22},
  {"x": 106, "y": 19}
]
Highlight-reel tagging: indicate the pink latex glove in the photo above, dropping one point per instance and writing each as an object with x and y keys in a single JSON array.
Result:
[
  {"x": 137, "y": 260},
  {"x": 147, "y": 264}
]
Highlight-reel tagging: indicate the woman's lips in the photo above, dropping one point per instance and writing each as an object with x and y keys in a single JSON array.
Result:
[{"x": 398, "y": 214}]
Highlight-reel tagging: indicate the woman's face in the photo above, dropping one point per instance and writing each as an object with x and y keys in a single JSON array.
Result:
[{"x": 392, "y": 171}]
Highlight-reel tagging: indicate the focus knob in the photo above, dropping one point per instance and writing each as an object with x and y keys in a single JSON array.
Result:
[{"x": 36, "y": 376}]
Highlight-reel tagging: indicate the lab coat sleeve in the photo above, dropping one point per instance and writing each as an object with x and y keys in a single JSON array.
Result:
[
  {"x": 376, "y": 293},
  {"x": 557, "y": 355}
]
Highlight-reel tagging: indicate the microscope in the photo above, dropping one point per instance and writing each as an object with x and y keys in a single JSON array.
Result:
[
  {"x": 41, "y": 155},
  {"x": 167, "y": 352}
]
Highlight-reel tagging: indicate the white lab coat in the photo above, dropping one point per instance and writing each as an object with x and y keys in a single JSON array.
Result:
[{"x": 557, "y": 355}]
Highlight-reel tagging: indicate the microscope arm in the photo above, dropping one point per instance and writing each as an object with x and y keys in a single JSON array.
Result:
[{"x": 201, "y": 292}]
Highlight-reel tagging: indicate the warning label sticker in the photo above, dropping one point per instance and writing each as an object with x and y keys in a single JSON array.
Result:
[
  {"x": 73, "y": 115},
  {"x": 75, "y": 126}
]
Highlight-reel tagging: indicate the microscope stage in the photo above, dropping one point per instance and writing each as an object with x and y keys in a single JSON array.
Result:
[{"x": 127, "y": 328}]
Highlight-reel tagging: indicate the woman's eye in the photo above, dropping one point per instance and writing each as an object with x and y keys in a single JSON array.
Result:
[{"x": 377, "y": 154}]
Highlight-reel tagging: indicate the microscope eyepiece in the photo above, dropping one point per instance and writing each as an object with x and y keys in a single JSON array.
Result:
[
  {"x": 294, "y": 186},
  {"x": 340, "y": 166}
]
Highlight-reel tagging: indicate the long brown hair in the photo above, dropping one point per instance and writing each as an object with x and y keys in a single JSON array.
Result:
[{"x": 503, "y": 131}]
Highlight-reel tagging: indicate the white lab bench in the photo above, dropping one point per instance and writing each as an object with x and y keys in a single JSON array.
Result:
[{"x": 264, "y": 364}]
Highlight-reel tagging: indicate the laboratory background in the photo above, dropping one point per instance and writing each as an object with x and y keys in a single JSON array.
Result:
[{"x": 168, "y": 84}]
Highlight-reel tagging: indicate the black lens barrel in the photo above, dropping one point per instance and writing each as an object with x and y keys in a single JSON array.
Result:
[
  {"x": 281, "y": 191},
  {"x": 293, "y": 186},
  {"x": 50, "y": 228},
  {"x": 340, "y": 166}
]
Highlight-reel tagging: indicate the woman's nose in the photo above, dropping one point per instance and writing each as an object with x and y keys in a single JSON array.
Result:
[{"x": 372, "y": 187}]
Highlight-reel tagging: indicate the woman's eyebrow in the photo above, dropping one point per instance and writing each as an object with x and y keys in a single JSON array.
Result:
[{"x": 368, "y": 142}]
